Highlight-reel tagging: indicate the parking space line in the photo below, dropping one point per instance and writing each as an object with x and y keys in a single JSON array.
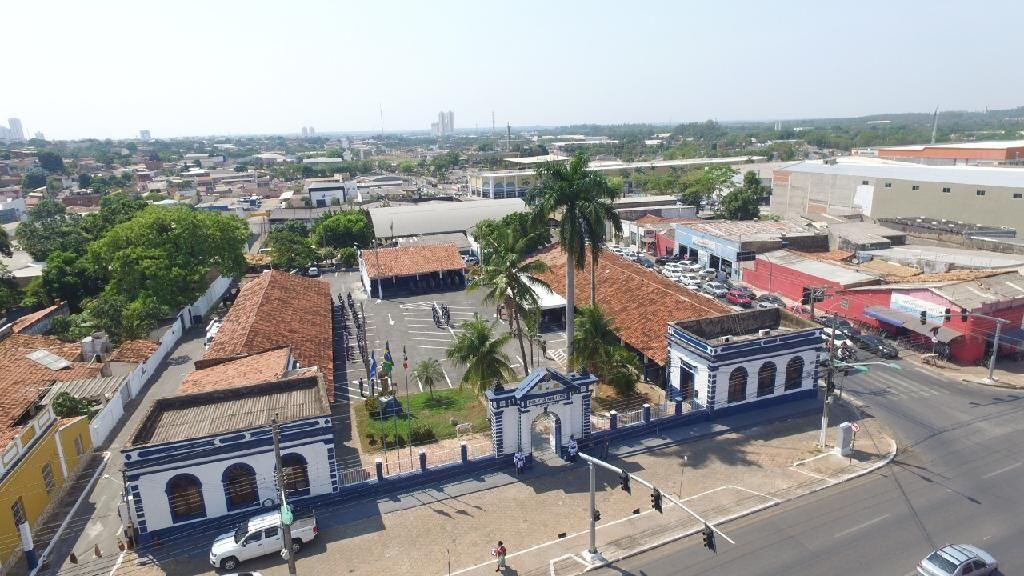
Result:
[
  {"x": 437, "y": 347},
  {"x": 1001, "y": 470},
  {"x": 432, "y": 339},
  {"x": 449, "y": 380},
  {"x": 418, "y": 383}
]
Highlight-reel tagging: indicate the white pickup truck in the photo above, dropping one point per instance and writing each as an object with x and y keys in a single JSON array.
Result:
[{"x": 259, "y": 536}]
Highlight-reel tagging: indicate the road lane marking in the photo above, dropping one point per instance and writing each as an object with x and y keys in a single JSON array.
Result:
[
  {"x": 859, "y": 526},
  {"x": 446, "y": 378},
  {"x": 432, "y": 339},
  {"x": 437, "y": 347},
  {"x": 1001, "y": 470}
]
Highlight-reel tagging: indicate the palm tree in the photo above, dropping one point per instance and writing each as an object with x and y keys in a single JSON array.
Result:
[
  {"x": 582, "y": 198},
  {"x": 481, "y": 353},
  {"x": 429, "y": 372},
  {"x": 594, "y": 339},
  {"x": 508, "y": 275}
]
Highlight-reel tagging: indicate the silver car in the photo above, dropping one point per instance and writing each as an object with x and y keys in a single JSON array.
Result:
[
  {"x": 716, "y": 289},
  {"x": 958, "y": 560}
]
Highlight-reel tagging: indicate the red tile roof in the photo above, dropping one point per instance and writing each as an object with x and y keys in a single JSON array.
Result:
[
  {"x": 280, "y": 309},
  {"x": 24, "y": 381},
  {"x": 640, "y": 302},
  {"x": 231, "y": 373},
  {"x": 137, "y": 351},
  {"x": 30, "y": 319},
  {"x": 410, "y": 260}
]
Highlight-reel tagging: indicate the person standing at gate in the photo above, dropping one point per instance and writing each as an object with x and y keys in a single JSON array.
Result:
[
  {"x": 520, "y": 461},
  {"x": 573, "y": 449},
  {"x": 500, "y": 552}
]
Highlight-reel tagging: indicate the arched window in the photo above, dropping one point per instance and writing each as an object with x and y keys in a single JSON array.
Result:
[
  {"x": 794, "y": 373},
  {"x": 738, "y": 385},
  {"x": 766, "y": 379},
  {"x": 295, "y": 474},
  {"x": 185, "y": 495},
  {"x": 240, "y": 486}
]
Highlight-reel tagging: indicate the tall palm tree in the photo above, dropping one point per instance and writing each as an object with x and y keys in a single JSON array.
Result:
[
  {"x": 581, "y": 198},
  {"x": 594, "y": 339},
  {"x": 428, "y": 372},
  {"x": 481, "y": 353},
  {"x": 508, "y": 275}
]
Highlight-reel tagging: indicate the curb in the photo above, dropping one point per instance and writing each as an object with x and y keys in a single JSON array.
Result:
[
  {"x": 884, "y": 462},
  {"x": 991, "y": 384}
]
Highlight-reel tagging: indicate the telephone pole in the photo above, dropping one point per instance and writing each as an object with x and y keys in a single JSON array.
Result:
[
  {"x": 286, "y": 513},
  {"x": 829, "y": 379}
]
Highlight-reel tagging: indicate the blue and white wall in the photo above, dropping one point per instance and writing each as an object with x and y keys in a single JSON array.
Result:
[
  {"x": 712, "y": 366},
  {"x": 148, "y": 469},
  {"x": 706, "y": 245}
]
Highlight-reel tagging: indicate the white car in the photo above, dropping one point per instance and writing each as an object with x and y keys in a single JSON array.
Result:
[
  {"x": 958, "y": 560},
  {"x": 671, "y": 274},
  {"x": 259, "y": 536},
  {"x": 690, "y": 281}
]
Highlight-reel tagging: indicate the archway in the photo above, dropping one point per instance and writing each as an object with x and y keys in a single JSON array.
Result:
[
  {"x": 546, "y": 434},
  {"x": 240, "y": 487},
  {"x": 185, "y": 496}
]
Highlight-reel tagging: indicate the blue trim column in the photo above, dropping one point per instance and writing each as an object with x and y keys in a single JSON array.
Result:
[
  {"x": 27, "y": 545},
  {"x": 496, "y": 431},
  {"x": 586, "y": 415}
]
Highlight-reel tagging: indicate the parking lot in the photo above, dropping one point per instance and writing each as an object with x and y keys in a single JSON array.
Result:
[{"x": 408, "y": 321}]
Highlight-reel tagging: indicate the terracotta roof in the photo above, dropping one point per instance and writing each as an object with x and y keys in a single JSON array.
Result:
[
  {"x": 24, "y": 381},
  {"x": 410, "y": 260},
  {"x": 30, "y": 319},
  {"x": 650, "y": 219},
  {"x": 830, "y": 256},
  {"x": 639, "y": 302},
  {"x": 280, "y": 309},
  {"x": 251, "y": 369},
  {"x": 134, "y": 351}
]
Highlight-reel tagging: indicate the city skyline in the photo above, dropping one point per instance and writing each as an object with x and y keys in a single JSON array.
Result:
[{"x": 576, "y": 65}]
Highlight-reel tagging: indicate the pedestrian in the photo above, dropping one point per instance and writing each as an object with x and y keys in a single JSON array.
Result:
[
  {"x": 604, "y": 451},
  {"x": 520, "y": 461},
  {"x": 500, "y": 552},
  {"x": 572, "y": 448}
]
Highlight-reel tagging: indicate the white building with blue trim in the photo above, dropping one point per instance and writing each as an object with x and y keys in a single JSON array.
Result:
[
  {"x": 206, "y": 455},
  {"x": 740, "y": 361}
]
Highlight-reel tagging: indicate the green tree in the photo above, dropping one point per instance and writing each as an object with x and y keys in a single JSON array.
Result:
[
  {"x": 598, "y": 349},
  {"x": 744, "y": 203},
  {"x": 700, "y": 186},
  {"x": 49, "y": 228},
  {"x": 289, "y": 250},
  {"x": 10, "y": 295},
  {"x": 51, "y": 162},
  {"x": 508, "y": 275},
  {"x": 84, "y": 180},
  {"x": 34, "y": 295},
  {"x": 33, "y": 179},
  {"x": 68, "y": 277},
  {"x": 406, "y": 167},
  {"x": 344, "y": 229},
  {"x": 347, "y": 257},
  {"x": 5, "y": 244},
  {"x": 580, "y": 198},
  {"x": 67, "y": 406},
  {"x": 481, "y": 353},
  {"x": 428, "y": 372}
]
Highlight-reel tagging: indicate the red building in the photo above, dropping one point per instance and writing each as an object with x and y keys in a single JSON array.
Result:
[{"x": 966, "y": 153}]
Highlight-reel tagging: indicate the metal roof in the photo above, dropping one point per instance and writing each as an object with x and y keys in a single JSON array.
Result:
[
  {"x": 977, "y": 293},
  {"x": 863, "y": 168},
  {"x": 832, "y": 272},
  {"x": 438, "y": 217},
  {"x": 99, "y": 389}
]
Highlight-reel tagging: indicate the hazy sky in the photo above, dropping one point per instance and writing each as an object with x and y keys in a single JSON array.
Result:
[{"x": 106, "y": 69}]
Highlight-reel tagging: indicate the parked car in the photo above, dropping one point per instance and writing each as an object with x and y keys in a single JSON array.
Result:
[
  {"x": 716, "y": 289},
  {"x": 835, "y": 322},
  {"x": 664, "y": 260},
  {"x": 671, "y": 274},
  {"x": 259, "y": 536},
  {"x": 709, "y": 272},
  {"x": 769, "y": 301},
  {"x": 693, "y": 266},
  {"x": 841, "y": 338},
  {"x": 745, "y": 289},
  {"x": 645, "y": 262},
  {"x": 470, "y": 260},
  {"x": 738, "y": 297},
  {"x": 875, "y": 345},
  {"x": 690, "y": 280},
  {"x": 958, "y": 560},
  {"x": 313, "y": 272}
]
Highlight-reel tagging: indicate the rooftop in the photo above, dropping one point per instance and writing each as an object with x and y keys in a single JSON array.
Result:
[
  {"x": 975, "y": 293},
  {"x": 137, "y": 351},
  {"x": 457, "y": 238},
  {"x": 411, "y": 260},
  {"x": 989, "y": 145},
  {"x": 99, "y": 389},
  {"x": 635, "y": 299},
  {"x": 819, "y": 269},
  {"x": 862, "y": 167},
  {"x": 748, "y": 230},
  {"x": 746, "y": 325},
  {"x": 220, "y": 411},
  {"x": 918, "y": 254},
  {"x": 613, "y": 166},
  {"x": 280, "y": 309},
  {"x": 438, "y": 217},
  {"x": 220, "y": 373}
]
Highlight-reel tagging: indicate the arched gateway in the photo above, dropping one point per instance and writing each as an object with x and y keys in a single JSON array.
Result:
[{"x": 565, "y": 397}]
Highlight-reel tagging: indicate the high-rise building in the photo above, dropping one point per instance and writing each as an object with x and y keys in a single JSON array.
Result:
[
  {"x": 144, "y": 135},
  {"x": 450, "y": 117},
  {"x": 17, "y": 133},
  {"x": 305, "y": 132},
  {"x": 39, "y": 136},
  {"x": 312, "y": 133},
  {"x": 445, "y": 124},
  {"x": 4, "y": 133}
]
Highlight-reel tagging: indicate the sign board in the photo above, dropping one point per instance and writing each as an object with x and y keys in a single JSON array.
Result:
[
  {"x": 548, "y": 399},
  {"x": 911, "y": 305},
  {"x": 704, "y": 243},
  {"x": 855, "y": 426}
]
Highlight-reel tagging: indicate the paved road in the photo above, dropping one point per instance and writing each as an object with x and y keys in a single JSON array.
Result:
[
  {"x": 96, "y": 522},
  {"x": 958, "y": 478}
]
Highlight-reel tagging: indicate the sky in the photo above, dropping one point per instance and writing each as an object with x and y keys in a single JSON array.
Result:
[{"x": 107, "y": 69}]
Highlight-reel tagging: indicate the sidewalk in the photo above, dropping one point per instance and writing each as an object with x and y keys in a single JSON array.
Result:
[
  {"x": 542, "y": 517},
  {"x": 1008, "y": 373}
]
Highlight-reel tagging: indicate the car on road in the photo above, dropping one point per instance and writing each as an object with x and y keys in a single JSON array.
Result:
[
  {"x": 769, "y": 301},
  {"x": 875, "y": 345},
  {"x": 259, "y": 536},
  {"x": 835, "y": 322},
  {"x": 738, "y": 297},
  {"x": 958, "y": 560},
  {"x": 716, "y": 289}
]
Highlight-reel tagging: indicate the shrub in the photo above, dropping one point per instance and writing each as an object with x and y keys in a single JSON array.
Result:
[
  {"x": 67, "y": 406},
  {"x": 347, "y": 257},
  {"x": 421, "y": 434},
  {"x": 372, "y": 406}
]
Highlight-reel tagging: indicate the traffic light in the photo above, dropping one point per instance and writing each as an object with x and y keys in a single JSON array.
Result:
[
  {"x": 597, "y": 515},
  {"x": 948, "y": 315},
  {"x": 709, "y": 538},
  {"x": 963, "y": 314},
  {"x": 656, "y": 500},
  {"x": 805, "y": 296},
  {"x": 924, "y": 317},
  {"x": 624, "y": 483}
]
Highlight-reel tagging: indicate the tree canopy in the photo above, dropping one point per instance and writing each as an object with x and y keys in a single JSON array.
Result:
[
  {"x": 343, "y": 229},
  {"x": 702, "y": 186},
  {"x": 51, "y": 162},
  {"x": 744, "y": 203}
]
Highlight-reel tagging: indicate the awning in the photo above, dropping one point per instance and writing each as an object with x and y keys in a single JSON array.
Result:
[
  {"x": 884, "y": 314},
  {"x": 911, "y": 322}
]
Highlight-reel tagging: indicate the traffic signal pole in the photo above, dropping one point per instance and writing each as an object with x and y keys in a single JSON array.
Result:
[
  {"x": 286, "y": 523},
  {"x": 592, "y": 554}
]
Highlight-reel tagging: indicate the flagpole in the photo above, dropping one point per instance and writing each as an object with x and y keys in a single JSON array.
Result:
[{"x": 408, "y": 401}]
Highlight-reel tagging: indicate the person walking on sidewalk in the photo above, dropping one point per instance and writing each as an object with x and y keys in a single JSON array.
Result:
[{"x": 500, "y": 552}]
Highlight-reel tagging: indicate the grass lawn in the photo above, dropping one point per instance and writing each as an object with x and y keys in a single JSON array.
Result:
[{"x": 435, "y": 412}]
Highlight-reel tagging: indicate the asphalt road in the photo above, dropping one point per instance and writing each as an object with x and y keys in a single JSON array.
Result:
[{"x": 958, "y": 478}]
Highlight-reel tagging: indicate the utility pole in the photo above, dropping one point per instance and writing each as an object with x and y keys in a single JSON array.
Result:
[
  {"x": 286, "y": 512},
  {"x": 995, "y": 352},
  {"x": 592, "y": 552},
  {"x": 829, "y": 379}
]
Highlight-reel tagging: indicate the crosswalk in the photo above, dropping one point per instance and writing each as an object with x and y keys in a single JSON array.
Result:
[{"x": 885, "y": 383}]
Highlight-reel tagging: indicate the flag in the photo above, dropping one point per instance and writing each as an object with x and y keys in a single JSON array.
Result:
[
  {"x": 388, "y": 362},
  {"x": 373, "y": 365},
  {"x": 405, "y": 359}
]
